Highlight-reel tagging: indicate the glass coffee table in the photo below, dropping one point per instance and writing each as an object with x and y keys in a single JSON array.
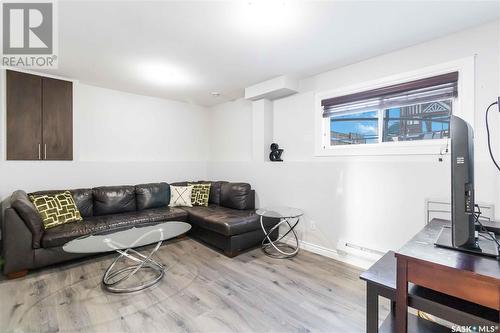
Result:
[
  {"x": 289, "y": 217},
  {"x": 124, "y": 241}
]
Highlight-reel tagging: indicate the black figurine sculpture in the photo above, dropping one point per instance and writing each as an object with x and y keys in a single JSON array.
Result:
[{"x": 275, "y": 155}]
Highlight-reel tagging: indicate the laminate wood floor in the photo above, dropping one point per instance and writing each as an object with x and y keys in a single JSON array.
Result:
[{"x": 202, "y": 291}]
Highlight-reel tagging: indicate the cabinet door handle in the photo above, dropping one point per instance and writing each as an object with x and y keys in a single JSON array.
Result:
[
  {"x": 44, "y": 151},
  {"x": 39, "y": 151}
]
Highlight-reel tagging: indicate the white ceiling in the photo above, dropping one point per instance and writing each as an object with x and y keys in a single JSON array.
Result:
[{"x": 227, "y": 46}]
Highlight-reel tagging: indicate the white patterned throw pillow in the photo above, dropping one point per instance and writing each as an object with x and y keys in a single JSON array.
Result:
[{"x": 180, "y": 196}]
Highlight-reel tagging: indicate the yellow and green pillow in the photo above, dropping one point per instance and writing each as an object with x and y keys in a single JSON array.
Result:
[
  {"x": 200, "y": 194},
  {"x": 56, "y": 209}
]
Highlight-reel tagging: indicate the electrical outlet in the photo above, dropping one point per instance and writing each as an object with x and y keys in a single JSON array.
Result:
[{"x": 312, "y": 225}]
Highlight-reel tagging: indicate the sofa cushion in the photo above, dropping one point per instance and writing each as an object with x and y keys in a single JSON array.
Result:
[
  {"x": 84, "y": 201},
  {"x": 24, "y": 207},
  {"x": 113, "y": 199},
  {"x": 215, "y": 192},
  {"x": 82, "y": 197},
  {"x": 223, "y": 220},
  {"x": 236, "y": 195},
  {"x": 60, "y": 235},
  {"x": 152, "y": 195},
  {"x": 179, "y": 184}
]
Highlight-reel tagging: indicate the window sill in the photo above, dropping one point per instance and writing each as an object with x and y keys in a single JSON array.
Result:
[{"x": 434, "y": 147}]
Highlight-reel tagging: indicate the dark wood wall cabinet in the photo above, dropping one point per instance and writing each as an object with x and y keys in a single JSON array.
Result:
[{"x": 39, "y": 117}]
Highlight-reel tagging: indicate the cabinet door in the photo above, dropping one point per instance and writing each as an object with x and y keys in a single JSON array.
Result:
[
  {"x": 24, "y": 116},
  {"x": 57, "y": 123}
]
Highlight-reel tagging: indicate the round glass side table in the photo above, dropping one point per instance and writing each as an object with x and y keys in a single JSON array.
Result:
[{"x": 289, "y": 218}]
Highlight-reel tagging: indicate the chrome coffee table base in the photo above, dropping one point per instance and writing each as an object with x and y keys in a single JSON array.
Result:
[
  {"x": 276, "y": 248},
  {"x": 114, "y": 279},
  {"x": 130, "y": 271}
]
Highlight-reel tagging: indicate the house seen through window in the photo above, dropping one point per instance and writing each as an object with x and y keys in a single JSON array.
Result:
[{"x": 418, "y": 110}]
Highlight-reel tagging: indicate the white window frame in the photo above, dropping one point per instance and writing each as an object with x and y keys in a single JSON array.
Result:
[{"x": 463, "y": 106}]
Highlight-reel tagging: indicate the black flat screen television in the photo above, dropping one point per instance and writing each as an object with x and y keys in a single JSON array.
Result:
[{"x": 462, "y": 235}]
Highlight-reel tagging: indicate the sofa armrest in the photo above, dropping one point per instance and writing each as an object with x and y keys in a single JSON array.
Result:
[
  {"x": 17, "y": 239},
  {"x": 27, "y": 211}
]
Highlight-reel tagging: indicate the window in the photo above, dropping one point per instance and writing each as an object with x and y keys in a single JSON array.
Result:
[
  {"x": 412, "y": 111},
  {"x": 354, "y": 128},
  {"x": 424, "y": 121}
]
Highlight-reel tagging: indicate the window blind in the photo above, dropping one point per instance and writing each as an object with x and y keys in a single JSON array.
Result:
[{"x": 419, "y": 91}]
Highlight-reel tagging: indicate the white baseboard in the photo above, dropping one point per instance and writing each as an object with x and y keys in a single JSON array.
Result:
[{"x": 360, "y": 262}]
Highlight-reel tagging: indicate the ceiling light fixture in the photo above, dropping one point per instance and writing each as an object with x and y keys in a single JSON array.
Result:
[
  {"x": 162, "y": 74},
  {"x": 215, "y": 94}
]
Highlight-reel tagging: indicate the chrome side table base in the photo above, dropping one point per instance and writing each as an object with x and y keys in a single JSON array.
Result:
[
  {"x": 277, "y": 249},
  {"x": 114, "y": 279}
]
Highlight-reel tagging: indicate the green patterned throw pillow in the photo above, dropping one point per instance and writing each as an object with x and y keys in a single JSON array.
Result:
[
  {"x": 56, "y": 209},
  {"x": 200, "y": 194}
]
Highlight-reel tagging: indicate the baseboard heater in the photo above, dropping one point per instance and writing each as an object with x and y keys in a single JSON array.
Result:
[{"x": 345, "y": 247}]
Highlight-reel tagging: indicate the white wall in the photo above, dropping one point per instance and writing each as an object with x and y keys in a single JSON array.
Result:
[
  {"x": 373, "y": 201},
  {"x": 119, "y": 138},
  {"x": 231, "y": 131},
  {"x": 117, "y": 126}
]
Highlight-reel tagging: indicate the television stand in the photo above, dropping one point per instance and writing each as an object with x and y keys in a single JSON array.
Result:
[
  {"x": 486, "y": 247},
  {"x": 469, "y": 277}
]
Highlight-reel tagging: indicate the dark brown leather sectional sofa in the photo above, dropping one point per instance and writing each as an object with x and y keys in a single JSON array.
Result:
[{"x": 228, "y": 224}]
